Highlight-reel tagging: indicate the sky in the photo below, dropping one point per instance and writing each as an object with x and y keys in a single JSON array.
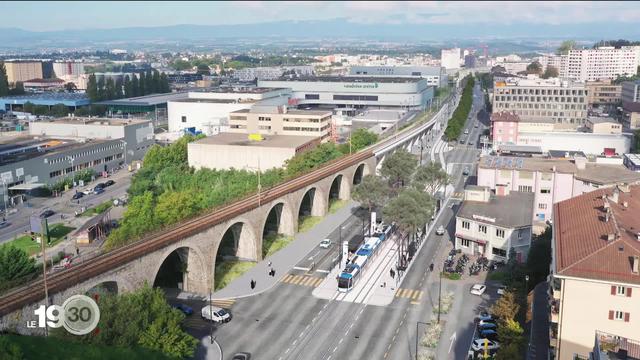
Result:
[{"x": 47, "y": 16}]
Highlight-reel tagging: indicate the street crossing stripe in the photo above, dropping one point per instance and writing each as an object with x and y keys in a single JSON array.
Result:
[
  {"x": 227, "y": 303},
  {"x": 302, "y": 280},
  {"x": 409, "y": 294}
]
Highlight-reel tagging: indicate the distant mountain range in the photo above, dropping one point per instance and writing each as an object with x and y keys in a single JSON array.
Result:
[{"x": 322, "y": 29}]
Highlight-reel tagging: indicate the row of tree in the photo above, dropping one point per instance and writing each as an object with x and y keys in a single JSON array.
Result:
[
  {"x": 144, "y": 84},
  {"x": 166, "y": 190},
  {"x": 536, "y": 69},
  {"x": 5, "y": 90},
  {"x": 459, "y": 117}
]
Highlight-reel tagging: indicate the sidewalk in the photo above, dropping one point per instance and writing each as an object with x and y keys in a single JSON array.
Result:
[
  {"x": 283, "y": 260},
  {"x": 539, "y": 341}
]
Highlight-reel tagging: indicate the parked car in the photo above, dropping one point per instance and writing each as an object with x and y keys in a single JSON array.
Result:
[
  {"x": 187, "y": 310},
  {"x": 77, "y": 196},
  {"x": 99, "y": 185},
  {"x": 478, "y": 289},
  {"x": 484, "y": 316},
  {"x": 501, "y": 289},
  {"x": 488, "y": 334},
  {"x": 45, "y": 214},
  {"x": 479, "y": 344},
  {"x": 325, "y": 244},
  {"x": 4, "y": 224},
  {"x": 241, "y": 356},
  {"x": 98, "y": 190},
  {"x": 487, "y": 321},
  {"x": 87, "y": 191},
  {"x": 487, "y": 326},
  {"x": 109, "y": 183},
  {"x": 215, "y": 314},
  {"x": 466, "y": 171},
  {"x": 475, "y": 126},
  {"x": 440, "y": 230}
]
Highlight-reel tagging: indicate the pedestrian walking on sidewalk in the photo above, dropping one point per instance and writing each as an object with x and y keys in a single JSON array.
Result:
[
  {"x": 392, "y": 273},
  {"x": 269, "y": 264},
  {"x": 77, "y": 251},
  {"x": 431, "y": 267},
  {"x": 253, "y": 284}
]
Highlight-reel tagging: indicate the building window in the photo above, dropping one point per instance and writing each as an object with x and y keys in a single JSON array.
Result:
[
  {"x": 184, "y": 119},
  {"x": 312, "y": 96},
  {"x": 499, "y": 252},
  {"x": 356, "y": 97},
  {"x": 465, "y": 242},
  {"x": 618, "y": 315},
  {"x": 545, "y": 191},
  {"x": 500, "y": 233},
  {"x": 542, "y": 206},
  {"x": 520, "y": 234},
  {"x": 466, "y": 225},
  {"x": 482, "y": 229},
  {"x": 620, "y": 290},
  {"x": 525, "y": 188}
]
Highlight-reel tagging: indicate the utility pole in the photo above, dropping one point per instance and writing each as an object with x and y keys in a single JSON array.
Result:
[{"x": 44, "y": 268}]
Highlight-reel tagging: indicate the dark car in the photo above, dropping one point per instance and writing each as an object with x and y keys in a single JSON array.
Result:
[
  {"x": 100, "y": 185},
  {"x": 77, "y": 196},
  {"x": 486, "y": 326},
  {"x": 488, "y": 334},
  {"x": 241, "y": 356},
  {"x": 46, "y": 213},
  {"x": 98, "y": 190},
  {"x": 109, "y": 183},
  {"x": 187, "y": 310}
]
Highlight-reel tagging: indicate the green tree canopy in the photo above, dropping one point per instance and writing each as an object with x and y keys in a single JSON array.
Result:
[
  {"x": 371, "y": 192},
  {"x": 92, "y": 88},
  {"x": 566, "y": 45},
  {"x": 511, "y": 337},
  {"x": 534, "y": 68},
  {"x": 550, "y": 72},
  {"x": 430, "y": 178},
  {"x": 15, "y": 264},
  {"x": 362, "y": 138},
  {"x": 4, "y": 82},
  {"x": 539, "y": 257},
  {"x": 310, "y": 159},
  {"x": 506, "y": 307},
  {"x": 59, "y": 110},
  {"x": 411, "y": 209},
  {"x": 398, "y": 167},
  {"x": 181, "y": 65}
]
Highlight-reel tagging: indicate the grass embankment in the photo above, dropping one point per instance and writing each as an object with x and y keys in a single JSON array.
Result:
[
  {"x": 57, "y": 233},
  {"x": 98, "y": 209},
  {"x": 335, "y": 205},
  {"x": 227, "y": 271},
  {"x": 306, "y": 223},
  {"x": 275, "y": 242},
  {"x": 38, "y": 347}
]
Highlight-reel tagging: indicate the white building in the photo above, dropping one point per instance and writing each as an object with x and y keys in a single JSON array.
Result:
[
  {"x": 490, "y": 225},
  {"x": 595, "y": 64},
  {"x": 450, "y": 58},
  {"x": 271, "y": 73},
  {"x": 208, "y": 111},
  {"x": 435, "y": 75}
]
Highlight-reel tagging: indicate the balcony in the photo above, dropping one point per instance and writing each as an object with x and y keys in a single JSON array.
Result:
[
  {"x": 553, "y": 335},
  {"x": 554, "y": 308}
]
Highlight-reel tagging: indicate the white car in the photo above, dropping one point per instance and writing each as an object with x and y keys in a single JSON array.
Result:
[
  {"x": 502, "y": 289},
  {"x": 478, "y": 289},
  {"x": 215, "y": 314},
  {"x": 440, "y": 230},
  {"x": 479, "y": 344},
  {"x": 87, "y": 191},
  {"x": 325, "y": 243}
]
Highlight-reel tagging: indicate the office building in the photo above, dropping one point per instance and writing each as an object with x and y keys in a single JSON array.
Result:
[
  {"x": 470, "y": 61},
  {"x": 67, "y": 68},
  {"x": 73, "y": 101},
  {"x": 603, "y": 93},
  {"x": 551, "y": 180},
  {"x": 237, "y": 151},
  {"x": 632, "y": 162},
  {"x": 562, "y": 102},
  {"x": 491, "y": 224},
  {"x": 281, "y": 121},
  {"x": 435, "y": 75},
  {"x": 151, "y": 107},
  {"x": 450, "y": 58},
  {"x": 630, "y": 92},
  {"x": 594, "y": 286},
  {"x": 23, "y": 70},
  {"x": 601, "y": 63},
  {"x": 208, "y": 110},
  {"x": 356, "y": 92}
]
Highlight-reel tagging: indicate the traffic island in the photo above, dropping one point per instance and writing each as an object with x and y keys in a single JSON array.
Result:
[
  {"x": 446, "y": 302},
  {"x": 430, "y": 339}
]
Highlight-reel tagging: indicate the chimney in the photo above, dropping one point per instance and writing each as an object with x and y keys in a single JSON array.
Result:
[
  {"x": 606, "y": 218},
  {"x": 611, "y": 237},
  {"x": 636, "y": 261},
  {"x": 615, "y": 195}
]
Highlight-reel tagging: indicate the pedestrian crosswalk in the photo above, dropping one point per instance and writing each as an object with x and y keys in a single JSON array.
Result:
[
  {"x": 226, "y": 303},
  {"x": 415, "y": 295},
  {"x": 458, "y": 195},
  {"x": 195, "y": 322},
  {"x": 302, "y": 280}
]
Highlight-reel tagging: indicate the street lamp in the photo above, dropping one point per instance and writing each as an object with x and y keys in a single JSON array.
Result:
[
  {"x": 440, "y": 293},
  {"x": 418, "y": 334}
]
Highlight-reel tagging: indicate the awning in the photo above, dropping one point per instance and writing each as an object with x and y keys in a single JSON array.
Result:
[{"x": 27, "y": 187}]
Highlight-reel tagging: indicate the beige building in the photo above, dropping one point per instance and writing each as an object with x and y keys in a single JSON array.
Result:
[
  {"x": 237, "y": 151},
  {"x": 532, "y": 99},
  {"x": 603, "y": 125},
  {"x": 20, "y": 70},
  {"x": 595, "y": 278},
  {"x": 313, "y": 123},
  {"x": 603, "y": 93}
]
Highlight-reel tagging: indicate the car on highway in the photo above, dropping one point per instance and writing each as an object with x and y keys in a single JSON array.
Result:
[
  {"x": 325, "y": 244},
  {"x": 488, "y": 334},
  {"x": 45, "y": 214},
  {"x": 77, "y": 196},
  {"x": 215, "y": 314},
  {"x": 479, "y": 344},
  {"x": 187, "y": 310},
  {"x": 466, "y": 171},
  {"x": 440, "y": 230},
  {"x": 98, "y": 190},
  {"x": 241, "y": 356},
  {"x": 109, "y": 183},
  {"x": 501, "y": 289},
  {"x": 471, "y": 142},
  {"x": 478, "y": 289},
  {"x": 475, "y": 126}
]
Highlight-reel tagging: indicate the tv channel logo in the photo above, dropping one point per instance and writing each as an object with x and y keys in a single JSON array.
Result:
[{"x": 79, "y": 314}]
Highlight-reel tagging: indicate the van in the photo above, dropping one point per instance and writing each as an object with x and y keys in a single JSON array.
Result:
[
  {"x": 466, "y": 131},
  {"x": 215, "y": 314}
]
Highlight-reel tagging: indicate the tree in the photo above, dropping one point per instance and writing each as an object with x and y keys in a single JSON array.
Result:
[
  {"x": 539, "y": 257},
  {"x": 550, "y": 72},
  {"x": 109, "y": 90},
  {"x": 4, "y": 82},
  {"x": 565, "y": 47},
  {"x": 410, "y": 209},
  {"x": 127, "y": 87},
  {"x": 157, "y": 86},
  {"x": 142, "y": 83},
  {"x": 636, "y": 140},
  {"x": 18, "y": 89},
  {"x": 92, "y": 88},
  {"x": 28, "y": 107},
  {"x": 70, "y": 87},
  {"x": 371, "y": 192},
  {"x": 181, "y": 65},
  {"x": 59, "y": 110},
  {"x": 164, "y": 83},
  {"x": 534, "y": 68},
  {"x": 119, "y": 88},
  {"x": 506, "y": 307},
  {"x": 430, "y": 178},
  {"x": 135, "y": 86},
  {"x": 362, "y": 138},
  {"x": 15, "y": 263},
  {"x": 511, "y": 338},
  {"x": 398, "y": 167},
  {"x": 101, "y": 89},
  {"x": 9, "y": 350},
  {"x": 203, "y": 70},
  {"x": 310, "y": 159}
]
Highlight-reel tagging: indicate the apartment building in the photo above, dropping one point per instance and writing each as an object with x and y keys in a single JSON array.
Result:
[
  {"x": 562, "y": 102},
  {"x": 594, "y": 285},
  {"x": 603, "y": 93},
  {"x": 604, "y": 62},
  {"x": 551, "y": 180},
  {"x": 491, "y": 224},
  {"x": 23, "y": 70},
  {"x": 312, "y": 123},
  {"x": 630, "y": 91}
]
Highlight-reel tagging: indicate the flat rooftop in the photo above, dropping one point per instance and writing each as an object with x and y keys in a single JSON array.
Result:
[
  {"x": 350, "y": 79},
  {"x": 147, "y": 100},
  {"x": 68, "y": 99},
  {"x": 93, "y": 121},
  {"x": 508, "y": 211},
  {"x": 237, "y": 90},
  {"x": 28, "y": 147},
  {"x": 213, "y": 101},
  {"x": 277, "y": 141},
  {"x": 289, "y": 112}
]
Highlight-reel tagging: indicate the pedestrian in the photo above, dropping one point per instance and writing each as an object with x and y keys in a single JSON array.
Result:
[
  {"x": 431, "y": 267},
  {"x": 269, "y": 263},
  {"x": 273, "y": 272},
  {"x": 77, "y": 251},
  {"x": 392, "y": 273},
  {"x": 253, "y": 284}
]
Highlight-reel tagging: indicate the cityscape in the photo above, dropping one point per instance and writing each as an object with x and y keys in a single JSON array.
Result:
[{"x": 320, "y": 180}]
